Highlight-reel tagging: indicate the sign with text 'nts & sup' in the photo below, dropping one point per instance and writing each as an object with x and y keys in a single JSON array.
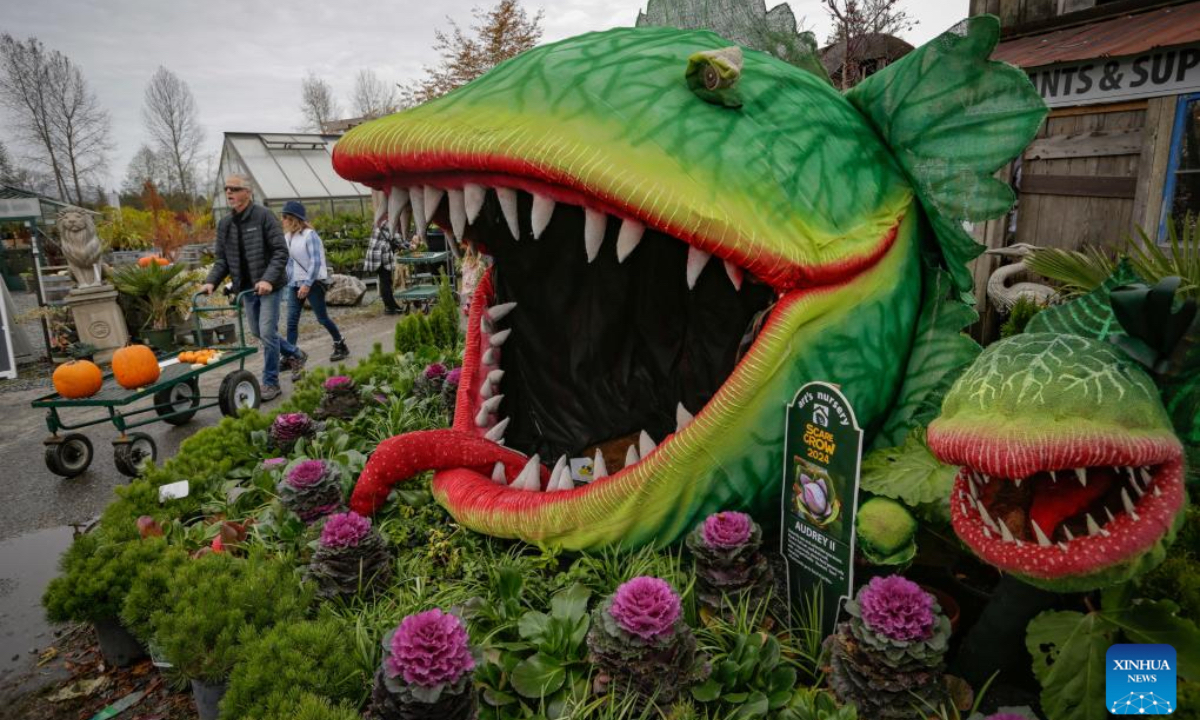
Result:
[{"x": 1159, "y": 72}]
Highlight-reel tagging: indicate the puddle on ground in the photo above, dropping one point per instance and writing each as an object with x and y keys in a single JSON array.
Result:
[{"x": 27, "y": 565}]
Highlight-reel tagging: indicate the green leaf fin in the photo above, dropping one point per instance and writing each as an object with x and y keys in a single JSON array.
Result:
[{"x": 952, "y": 118}]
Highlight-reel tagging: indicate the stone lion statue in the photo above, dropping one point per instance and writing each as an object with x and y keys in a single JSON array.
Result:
[{"x": 80, "y": 245}]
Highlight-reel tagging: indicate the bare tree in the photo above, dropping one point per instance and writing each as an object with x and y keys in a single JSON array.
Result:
[
  {"x": 146, "y": 166},
  {"x": 372, "y": 97},
  {"x": 855, "y": 21},
  {"x": 317, "y": 105},
  {"x": 82, "y": 129},
  {"x": 25, "y": 89},
  {"x": 499, "y": 33},
  {"x": 8, "y": 171},
  {"x": 173, "y": 121}
]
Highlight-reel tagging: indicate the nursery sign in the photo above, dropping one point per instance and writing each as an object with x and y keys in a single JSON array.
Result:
[
  {"x": 1164, "y": 71},
  {"x": 823, "y": 452}
]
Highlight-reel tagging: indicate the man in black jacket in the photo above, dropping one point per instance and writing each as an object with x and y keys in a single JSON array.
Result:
[{"x": 251, "y": 251}]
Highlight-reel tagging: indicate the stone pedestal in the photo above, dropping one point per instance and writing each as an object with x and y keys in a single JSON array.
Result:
[{"x": 98, "y": 319}]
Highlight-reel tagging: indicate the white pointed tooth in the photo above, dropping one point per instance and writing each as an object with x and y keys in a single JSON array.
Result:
[
  {"x": 540, "y": 214},
  {"x": 496, "y": 434},
  {"x": 631, "y": 456},
  {"x": 683, "y": 418},
  {"x": 1062, "y": 546},
  {"x": 963, "y": 505},
  {"x": 1094, "y": 528},
  {"x": 1005, "y": 533},
  {"x": 491, "y": 357},
  {"x": 396, "y": 203},
  {"x": 458, "y": 212},
  {"x": 1156, "y": 491},
  {"x": 1041, "y": 536},
  {"x": 1067, "y": 531},
  {"x": 486, "y": 325},
  {"x": 1081, "y": 475},
  {"x": 530, "y": 478},
  {"x": 1128, "y": 505},
  {"x": 498, "y": 339},
  {"x": 628, "y": 238},
  {"x": 1145, "y": 473},
  {"x": 1053, "y": 476},
  {"x": 379, "y": 201},
  {"x": 416, "y": 195},
  {"x": 974, "y": 491},
  {"x": 599, "y": 470},
  {"x": 646, "y": 444},
  {"x": 987, "y": 518},
  {"x": 405, "y": 223},
  {"x": 495, "y": 376},
  {"x": 508, "y": 205},
  {"x": 986, "y": 532},
  {"x": 735, "y": 275},
  {"x": 498, "y": 474},
  {"x": 594, "y": 223},
  {"x": 696, "y": 260},
  {"x": 433, "y": 198},
  {"x": 560, "y": 477},
  {"x": 1109, "y": 514},
  {"x": 486, "y": 390},
  {"x": 492, "y": 403},
  {"x": 473, "y": 196},
  {"x": 1138, "y": 489},
  {"x": 497, "y": 312},
  {"x": 986, "y": 478},
  {"x": 1017, "y": 481},
  {"x": 481, "y": 417}
]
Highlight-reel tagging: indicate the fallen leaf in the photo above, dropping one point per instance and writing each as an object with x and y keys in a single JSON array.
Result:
[{"x": 79, "y": 689}]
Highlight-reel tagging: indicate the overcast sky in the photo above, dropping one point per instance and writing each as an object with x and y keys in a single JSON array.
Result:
[{"x": 244, "y": 60}]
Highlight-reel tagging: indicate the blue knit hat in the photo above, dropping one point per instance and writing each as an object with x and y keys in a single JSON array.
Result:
[{"x": 293, "y": 207}]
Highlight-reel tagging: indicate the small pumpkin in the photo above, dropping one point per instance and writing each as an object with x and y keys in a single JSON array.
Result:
[
  {"x": 76, "y": 379},
  {"x": 145, "y": 260},
  {"x": 135, "y": 366},
  {"x": 162, "y": 261}
]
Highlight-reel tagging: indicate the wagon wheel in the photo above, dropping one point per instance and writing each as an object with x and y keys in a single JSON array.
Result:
[
  {"x": 239, "y": 390},
  {"x": 172, "y": 403},
  {"x": 133, "y": 452},
  {"x": 69, "y": 455}
]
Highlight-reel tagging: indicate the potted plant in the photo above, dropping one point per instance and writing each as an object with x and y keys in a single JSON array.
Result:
[
  {"x": 729, "y": 567},
  {"x": 211, "y": 605},
  {"x": 351, "y": 557},
  {"x": 96, "y": 577},
  {"x": 426, "y": 671},
  {"x": 161, "y": 292}
]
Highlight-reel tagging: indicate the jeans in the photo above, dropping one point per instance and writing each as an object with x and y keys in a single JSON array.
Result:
[
  {"x": 316, "y": 298},
  {"x": 262, "y": 315}
]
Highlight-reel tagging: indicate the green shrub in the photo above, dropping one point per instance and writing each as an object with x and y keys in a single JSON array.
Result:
[
  {"x": 312, "y": 707},
  {"x": 211, "y": 605},
  {"x": 1019, "y": 316},
  {"x": 147, "y": 590},
  {"x": 291, "y": 660},
  {"x": 438, "y": 329},
  {"x": 96, "y": 576}
]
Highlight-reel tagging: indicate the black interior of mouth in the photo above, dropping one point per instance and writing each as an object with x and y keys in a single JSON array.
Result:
[{"x": 603, "y": 350}]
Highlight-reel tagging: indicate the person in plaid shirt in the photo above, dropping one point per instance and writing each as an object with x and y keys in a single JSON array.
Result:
[{"x": 381, "y": 258}]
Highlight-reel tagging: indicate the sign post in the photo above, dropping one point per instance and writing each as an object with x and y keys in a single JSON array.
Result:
[{"x": 823, "y": 452}]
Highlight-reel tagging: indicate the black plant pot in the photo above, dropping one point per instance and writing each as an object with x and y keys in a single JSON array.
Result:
[
  {"x": 208, "y": 697},
  {"x": 117, "y": 645}
]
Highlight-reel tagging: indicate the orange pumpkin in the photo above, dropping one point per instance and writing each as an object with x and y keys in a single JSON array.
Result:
[
  {"x": 145, "y": 260},
  {"x": 186, "y": 356},
  {"x": 162, "y": 261},
  {"x": 77, "y": 379},
  {"x": 135, "y": 366}
]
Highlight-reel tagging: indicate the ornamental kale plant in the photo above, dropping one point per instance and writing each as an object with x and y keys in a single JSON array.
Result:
[
  {"x": 341, "y": 398},
  {"x": 890, "y": 656},
  {"x": 426, "y": 670},
  {"x": 640, "y": 645},
  {"x": 729, "y": 566},
  {"x": 351, "y": 557},
  {"x": 312, "y": 489},
  {"x": 288, "y": 428}
]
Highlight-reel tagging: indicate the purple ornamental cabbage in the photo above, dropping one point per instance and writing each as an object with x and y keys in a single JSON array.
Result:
[
  {"x": 338, "y": 383},
  {"x": 306, "y": 473},
  {"x": 727, "y": 529},
  {"x": 429, "y": 649},
  {"x": 897, "y": 608},
  {"x": 287, "y": 428},
  {"x": 435, "y": 371},
  {"x": 646, "y": 607},
  {"x": 312, "y": 489},
  {"x": 454, "y": 376},
  {"x": 344, "y": 530}
]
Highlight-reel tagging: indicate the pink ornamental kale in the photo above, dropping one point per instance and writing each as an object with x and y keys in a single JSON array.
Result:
[
  {"x": 344, "y": 529},
  {"x": 338, "y": 382},
  {"x": 646, "y": 607},
  {"x": 273, "y": 463},
  {"x": 290, "y": 427},
  {"x": 727, "y": 529},
  {"x": 897, "y": 608},
  {"x": 435, "y": 371},
  {"x": 306, "y": 473},
  {"x": 429, "y": 649},
  {"x": 454, "y": 376}
]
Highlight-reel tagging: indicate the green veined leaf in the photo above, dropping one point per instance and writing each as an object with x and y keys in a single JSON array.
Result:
[
  {"x": 538, "y": 676},
  {"x": 1068, "y": 651},
  {"x": 1155, "y": 622},
  {"x": 909, "y": 473}
]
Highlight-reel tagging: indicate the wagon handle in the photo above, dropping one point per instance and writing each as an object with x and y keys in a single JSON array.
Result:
[{"x": 197, "y": 309}]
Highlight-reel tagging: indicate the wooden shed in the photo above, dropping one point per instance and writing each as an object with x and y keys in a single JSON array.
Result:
[{"x": 1122, "y": 80}]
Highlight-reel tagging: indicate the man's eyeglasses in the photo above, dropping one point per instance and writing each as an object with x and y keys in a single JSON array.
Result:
[{"x": 231, "y": 188}]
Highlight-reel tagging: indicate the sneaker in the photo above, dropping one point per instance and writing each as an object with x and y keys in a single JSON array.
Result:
[
  {"x": 392, "y": 311},
  {"x": 285, "y": 363},
  {"x": 270, "y": 392},
  {"x": 297, "y": 364},
  {"x": 340, "y": 352}
]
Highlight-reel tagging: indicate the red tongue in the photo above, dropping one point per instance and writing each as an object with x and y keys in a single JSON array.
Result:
[
  {"x": 403, "y": 456},
  {"x": 1054, "y": 502}
]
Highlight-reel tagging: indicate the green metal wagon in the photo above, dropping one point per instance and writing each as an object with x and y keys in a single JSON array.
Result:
[{"x": 176, "y": 399}]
